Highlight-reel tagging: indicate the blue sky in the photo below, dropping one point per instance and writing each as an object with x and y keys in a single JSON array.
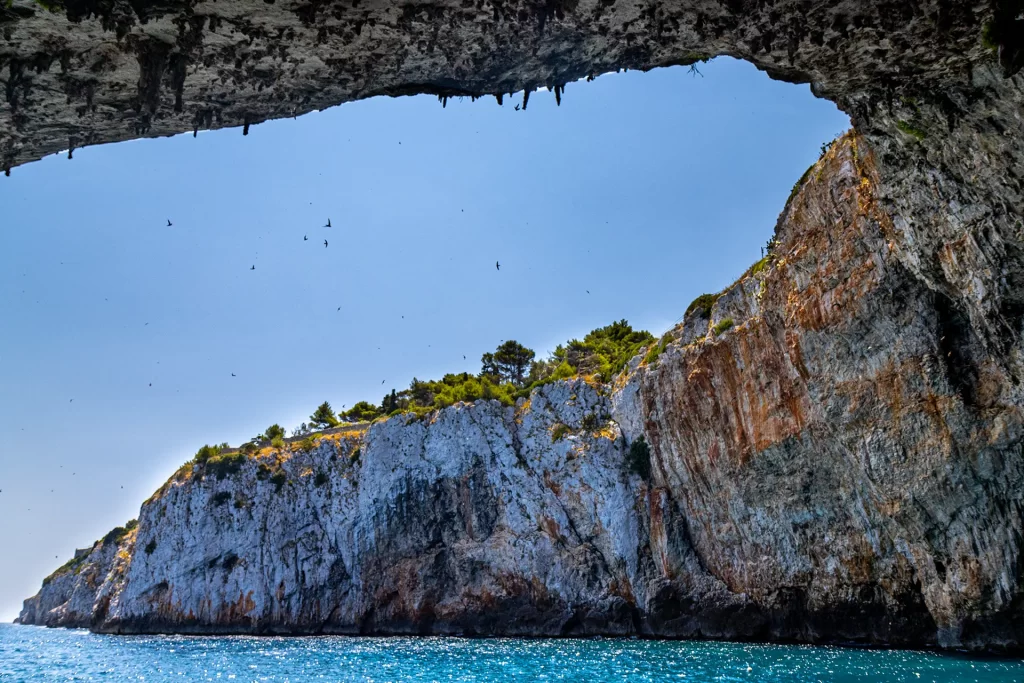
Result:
[{"x": 645, "y": 189}]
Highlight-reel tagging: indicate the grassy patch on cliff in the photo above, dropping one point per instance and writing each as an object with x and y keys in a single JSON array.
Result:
[
  {"x": 117, "y": 534},
  {"x": 657, "y": 349},
  {"x": 910, "y": 129},
  {"x": 722, "y": 326},
  {"x": 702, "y": 305}
]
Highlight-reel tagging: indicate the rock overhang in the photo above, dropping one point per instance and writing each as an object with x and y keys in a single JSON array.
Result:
[{"x": 93, "y": 71}]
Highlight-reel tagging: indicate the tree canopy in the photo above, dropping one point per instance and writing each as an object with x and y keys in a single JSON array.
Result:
[
  {"x": 507, "y": 373},
  {"x": 323, "y": 417},
  {"x": 508, "y": 363}
]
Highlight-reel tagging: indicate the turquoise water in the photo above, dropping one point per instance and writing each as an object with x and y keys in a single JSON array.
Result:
[{"x": 29, "y": 653}]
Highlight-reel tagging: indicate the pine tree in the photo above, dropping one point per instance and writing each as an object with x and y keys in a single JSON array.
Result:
[
  {"x": 324, "y": 416},
  {"x": 512, "y": 360}
]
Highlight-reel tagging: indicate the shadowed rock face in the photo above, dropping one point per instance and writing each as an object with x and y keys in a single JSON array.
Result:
[
  {"x": 95, "y": 71},
  {"x": 834, "y": 456}
]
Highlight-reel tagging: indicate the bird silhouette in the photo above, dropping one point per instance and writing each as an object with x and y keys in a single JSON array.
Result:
[
  {"x": 233, "y": 374},
  {"x": 328, "y": 223},
  {"x": 325, "y": 244},
  {"x": 253, "y": 267},
  {"x": 150, "y": 384},
  {"x": 304, "y": 238},
  {"x": 588, "y": 291},
  {"x": 169, "y": 222},
  {"x": 497, "y": 265},
  {"x": 383, "y": 380},
  {"x": 339, "y": 308}
]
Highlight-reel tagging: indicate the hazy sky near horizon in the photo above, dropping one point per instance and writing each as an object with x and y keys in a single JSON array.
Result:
[{"x": 120, "y": 335}]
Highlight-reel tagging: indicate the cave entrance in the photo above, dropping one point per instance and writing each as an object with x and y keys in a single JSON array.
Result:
[{"x": 638, "y": 193}]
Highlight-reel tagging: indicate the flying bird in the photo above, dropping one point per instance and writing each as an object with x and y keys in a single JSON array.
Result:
[
  {"x": 325, "y": 244},
  {"x": 328, "y": 223},
  {"x": 253, "y": 267},
  {"x": 169, "y": 222},
  {"x": 233, "y": 374},
  {"x": 304, "y": 238},
  {"x": 497, "y": 265},
  {"x": 588, "y": 291}
]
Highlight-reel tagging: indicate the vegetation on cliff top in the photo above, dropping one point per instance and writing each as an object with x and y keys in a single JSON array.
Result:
[{"x": 509, "y": 372}]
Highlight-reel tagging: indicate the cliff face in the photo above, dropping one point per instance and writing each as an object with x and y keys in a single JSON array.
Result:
[
  {"x": 835, "y": 454},
  {"x": 840, "y": 454}
]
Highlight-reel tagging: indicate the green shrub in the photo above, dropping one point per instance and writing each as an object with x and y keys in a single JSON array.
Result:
[
  {"x": 150, "y": 547},
  {"x": 249, "y": 448},
  {"x": 117, "y": 534},
  {"x": 225, "y": 465},
  {"x": 309, "y": 443},
  {"x": 702, "y": 304},
  {"x": 603, "y": 352},
  {"x": 911, "y": 130},
  {"x": 277, "y": 442},
  {"x": 558, "y": 431},
  {"x": 760, "y": 266},
  {"x": 638, "y": 458},
  {"x": 320, "y": 479},
  {"x": 274, "y": 431},
  {"x": 590, "y": 422},
  {"x": 323, "y": 417},
  {"x": 263, "y": 472},
  {"x": 279, "y": 479},
  {"x": 364, "y": 411},
  {"x": 354, "y": 458},
  {"x": 205, "y": 453},
  {"x": 722, "y": 326},
  {"x": 799, "y": 183},
  {"x": 659, "y": 348},
  {"x": 220, "y": 498}
]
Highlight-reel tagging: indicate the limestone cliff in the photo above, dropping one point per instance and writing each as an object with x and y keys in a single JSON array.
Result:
[{"x": 835, "y": 455}]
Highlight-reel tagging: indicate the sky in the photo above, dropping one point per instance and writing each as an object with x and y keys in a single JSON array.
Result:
[{"x": 126, "y": 344}]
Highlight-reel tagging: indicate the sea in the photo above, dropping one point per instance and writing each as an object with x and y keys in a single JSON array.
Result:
[{"x": 31, "y": 654}]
